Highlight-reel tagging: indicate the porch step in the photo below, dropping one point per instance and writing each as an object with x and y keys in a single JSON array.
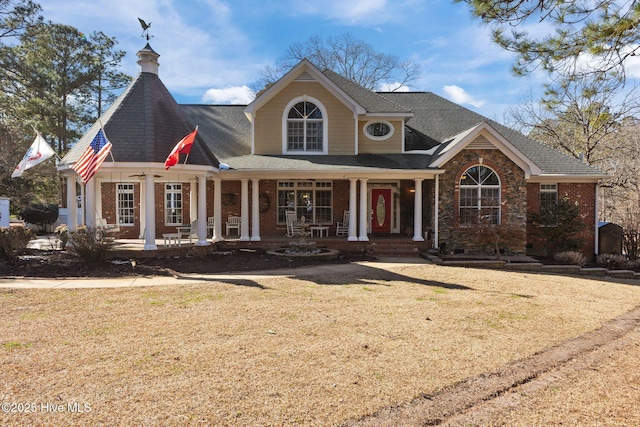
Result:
[{"x": 403, "y": 248}]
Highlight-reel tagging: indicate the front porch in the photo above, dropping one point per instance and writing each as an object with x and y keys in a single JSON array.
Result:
[{"x": 395, "y": 245}]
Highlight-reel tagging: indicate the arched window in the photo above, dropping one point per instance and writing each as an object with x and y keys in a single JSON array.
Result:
[
  {"x": 479, "y": 196},
  {"x": 305, "y": 128}
]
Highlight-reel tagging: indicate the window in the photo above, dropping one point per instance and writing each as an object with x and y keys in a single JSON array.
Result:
[
  {"x": 548, "y": 195},
  {"x": 378, "y": 131},
  {"x": 479, "y": 196},
  {"x": 125, "y": 202},
  {"x": 173, "y": 204},
  {"x": 311, "y": 199},
  {"x": 548, "y": 201},
  {"x": 305, "y": 127}
]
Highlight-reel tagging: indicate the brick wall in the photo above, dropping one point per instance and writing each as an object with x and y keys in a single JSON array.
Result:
[
  {"x": 109, "y": 209},
  {"x": 584, "y": 195}
]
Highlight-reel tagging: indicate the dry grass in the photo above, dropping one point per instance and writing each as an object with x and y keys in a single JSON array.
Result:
[
  {"x": 319, "y": 349},
  {"x": 601, "y": 389}
]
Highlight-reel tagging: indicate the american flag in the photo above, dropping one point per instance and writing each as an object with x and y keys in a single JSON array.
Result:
[{"x": 91, "y": 159}]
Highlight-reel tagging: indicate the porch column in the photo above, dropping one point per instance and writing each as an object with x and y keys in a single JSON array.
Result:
[
  {"x": 353, "y": 209},
  {"x": 193, "y": 201},
  {"x": 143, "y": 211},
  {"x": 83, "y": 205},
  {"x": 255, "y": 210},
  {"x": 90, "y": 209},
  {"x": 364, "y": 211},
  {"x": 98, "y": 198},
  {"x": 72, "y": 204},
  {"x": 244, "y": 210},
  {"x": 418, "y": 235},
  {"x": 202, "y": 211},
  {"x": 436, "y": 208},
  {"x": 149, "y": 213},
  {"x": 217, "y": 209}
]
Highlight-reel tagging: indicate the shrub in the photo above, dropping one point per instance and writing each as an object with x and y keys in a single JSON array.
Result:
[
  {"x": 91, "y": 244},
  {"x": 40, "y": 214},
  {"x": 612, "y": 261},
  {"x": 570, "y": 258},
  {"x": 13, "y": 243},
  {"x": 62, "y": 231},
  {"x": 498, "y": 238},
  {"x": 631, "y": 243},
  {"x": 558, "y": 225}
]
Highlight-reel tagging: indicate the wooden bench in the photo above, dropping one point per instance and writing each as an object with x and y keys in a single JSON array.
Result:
[{"x": 172, "y": 239}]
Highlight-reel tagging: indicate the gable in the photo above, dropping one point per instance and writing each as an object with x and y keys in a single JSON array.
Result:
[
  {"x": 480, "y": 143},
  {"x": 346, "y": 107},
  {"x": 269, "y": 125},
  {"x": 304, "y": 72},
  {"x": 482, "y": 137}
]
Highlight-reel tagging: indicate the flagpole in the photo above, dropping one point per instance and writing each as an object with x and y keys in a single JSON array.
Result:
[{"x": 105, "y": 135}]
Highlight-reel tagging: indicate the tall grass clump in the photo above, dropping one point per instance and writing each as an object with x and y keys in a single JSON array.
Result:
[
  {"x": 571, "y": 258},
  {"x": 13, "y": 243},
  {"x": 91, "y": 244}
]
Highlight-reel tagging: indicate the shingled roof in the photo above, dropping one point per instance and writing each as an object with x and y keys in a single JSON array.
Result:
[
  {"x": 225, "y": 128},
  {"x": 144, "y": 124},
  {"x": 442, "y": 120},
  {"x": 371, "y": 101}
]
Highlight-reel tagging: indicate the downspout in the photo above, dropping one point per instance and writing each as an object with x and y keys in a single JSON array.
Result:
[
  {"x": 253, "y": 134},
  {"x": 355, "y": 118},
  {"x": 596, "y": 240},
  {"x": 436, "y": 208}
]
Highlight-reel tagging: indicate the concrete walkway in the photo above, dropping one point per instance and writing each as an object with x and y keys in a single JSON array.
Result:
[{"x": 184, "y": 279}]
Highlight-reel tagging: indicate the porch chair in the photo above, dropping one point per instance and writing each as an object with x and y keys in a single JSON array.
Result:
[
  {"x": 293, "y": 226},
  {"x": 233, "y": 222},
  {"x": 342, "y": 228},
  {"x": 107, "y": 228},
  {"x": 189, "y": 231}
]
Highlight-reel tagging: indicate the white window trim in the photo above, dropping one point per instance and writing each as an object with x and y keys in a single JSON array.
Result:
[
  {"x": 312, "y": 186},
  {"x": 549, "y": 188},
  {"x": 131, "y": 191},
  {"x": 479, "y": 188},
  {"x": 378, "y": 138},
  {"x": 164, "y": 202},
  {"x": 325, "y": 126}
]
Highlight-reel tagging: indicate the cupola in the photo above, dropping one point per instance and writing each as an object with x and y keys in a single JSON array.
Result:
[{"x": 148, "y": 60}]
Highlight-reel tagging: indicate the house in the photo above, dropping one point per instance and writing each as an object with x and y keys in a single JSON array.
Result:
[{"x": 408, "y": 164}]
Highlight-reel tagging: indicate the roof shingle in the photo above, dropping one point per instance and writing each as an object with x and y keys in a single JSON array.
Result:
[{"x": 144, "y": 124}]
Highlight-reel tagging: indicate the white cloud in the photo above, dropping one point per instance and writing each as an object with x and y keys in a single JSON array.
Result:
[
  {"x": 393, "y": 87},
  {"x": 458, "y": 95},
  {"x": 230, "y": 95}
]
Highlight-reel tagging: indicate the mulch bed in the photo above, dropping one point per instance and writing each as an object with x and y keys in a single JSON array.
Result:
[{"x": 43, "y": 263}]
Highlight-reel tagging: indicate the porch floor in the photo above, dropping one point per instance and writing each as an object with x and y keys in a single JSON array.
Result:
[{"x": 377, "y": 245}]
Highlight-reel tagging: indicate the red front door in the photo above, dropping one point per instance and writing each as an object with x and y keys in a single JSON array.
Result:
[{"x": 381, "y": 208}]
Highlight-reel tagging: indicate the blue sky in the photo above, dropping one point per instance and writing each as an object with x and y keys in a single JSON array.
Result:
[{"x": 212, "y": 50}]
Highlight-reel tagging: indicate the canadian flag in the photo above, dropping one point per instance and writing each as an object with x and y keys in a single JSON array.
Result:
[{"x": 183, "y": 147}]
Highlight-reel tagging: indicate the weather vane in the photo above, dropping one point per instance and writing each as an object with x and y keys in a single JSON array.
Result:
[{"x": 145, "y": 28}]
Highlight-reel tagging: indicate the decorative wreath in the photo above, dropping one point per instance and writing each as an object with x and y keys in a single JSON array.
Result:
[{"x": 264, "y": 202}]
